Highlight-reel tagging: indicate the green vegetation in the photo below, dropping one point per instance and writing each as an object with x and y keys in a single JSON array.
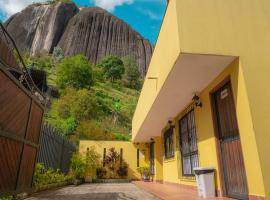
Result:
[
  {"x": 113, "y": 68},
  {"x": 78, "y": 166},
  {"x": 75, "y": 72},
  {"x": 44, "y": 177},
  {"x": 93, "y": 102}
]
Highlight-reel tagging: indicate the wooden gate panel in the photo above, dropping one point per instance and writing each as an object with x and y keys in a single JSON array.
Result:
[
  {"x": 14, "y": 109},
  {"x": 27, "y": 168},
  {"x": 34, "y": 125},
  {"x": 9, "y": 163}
]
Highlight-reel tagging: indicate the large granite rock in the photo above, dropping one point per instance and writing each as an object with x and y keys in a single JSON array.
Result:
[
  {"x": 91, "y": 31},
  {"x": 39, "y": 27}
]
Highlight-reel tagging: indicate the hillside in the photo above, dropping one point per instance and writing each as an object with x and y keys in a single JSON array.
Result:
[{"x": 99, "y": 109}]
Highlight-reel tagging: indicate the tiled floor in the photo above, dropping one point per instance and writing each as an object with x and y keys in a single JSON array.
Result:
[{"x": 170, "y": 192}]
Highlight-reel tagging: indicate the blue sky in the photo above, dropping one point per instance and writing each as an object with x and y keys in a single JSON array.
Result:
[{"x": 145, "y": 16}]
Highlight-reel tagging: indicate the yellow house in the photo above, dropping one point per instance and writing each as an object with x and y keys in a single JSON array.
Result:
[
  {"x": 134, "y": 155},
  {"x": 205, "y": 100}
]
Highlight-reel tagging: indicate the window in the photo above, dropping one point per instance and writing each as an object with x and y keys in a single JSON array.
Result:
[
  {"x": 188, "y": 144},
  {"x": 168, "y": 143}
]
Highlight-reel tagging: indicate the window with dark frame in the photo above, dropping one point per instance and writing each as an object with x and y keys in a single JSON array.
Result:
[
  {"x": 188, "y": 143},
  {"x": 168, "y": 144}
]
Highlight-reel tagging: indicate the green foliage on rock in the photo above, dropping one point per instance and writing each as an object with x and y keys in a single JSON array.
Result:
[
  {"x": 75, "y": 71},
  {"x": 113, "y": 68}
]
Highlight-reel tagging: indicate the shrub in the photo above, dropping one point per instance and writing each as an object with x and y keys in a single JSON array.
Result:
[
  {"x": 101, "y": 172},
  {"x": 93, "y": 161},
  {"x": 113, "y": 67},
  {"x": 43, "y": 177},
  {"x": 80, "y": 105},
  {"x": 144, "y": 170},
  {"x": 132, "y": 76},
  {"x": 74, "y": 72},
  {"x": 78, "y": 166},
  {"x": 89, "y": 130},
  {"x": 123, "y": 170}
]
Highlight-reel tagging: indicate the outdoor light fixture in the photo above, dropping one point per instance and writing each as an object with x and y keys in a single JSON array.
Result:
[
  {"x": 170, "y": 122},
  {"x": 196, "y": 100}
]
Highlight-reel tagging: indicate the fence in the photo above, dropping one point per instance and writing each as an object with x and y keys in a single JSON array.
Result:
[{"x": 55, "y": 150}]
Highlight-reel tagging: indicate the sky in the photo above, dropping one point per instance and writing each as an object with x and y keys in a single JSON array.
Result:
[{"x": 145, "y": 16}]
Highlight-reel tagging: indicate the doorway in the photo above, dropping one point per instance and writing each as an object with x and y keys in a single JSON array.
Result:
[{"x": 230, "y": 150}]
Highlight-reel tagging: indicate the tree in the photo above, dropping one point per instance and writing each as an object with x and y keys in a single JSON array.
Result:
[
  {"x": 74, "y": 72},
  {"x": 113, "y": 67},
  {"x": 132, "y": 76}
]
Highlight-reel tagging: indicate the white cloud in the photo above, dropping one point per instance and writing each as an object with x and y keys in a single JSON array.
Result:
[
  {"x": 150, "y": 14},
  {"x": 10, "y": 7},
  {"x": 111, "y": 4}
]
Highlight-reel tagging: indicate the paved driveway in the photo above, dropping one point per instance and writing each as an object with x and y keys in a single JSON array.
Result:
[{"x": 122, "y": 191}]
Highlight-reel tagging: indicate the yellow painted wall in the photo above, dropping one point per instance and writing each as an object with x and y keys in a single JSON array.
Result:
[
  {"x": 238, "y": 28},
  {"x": 129, "y": 153},
  {"x": 172, "y": 169},
  {"x": 158, "y": 147}
]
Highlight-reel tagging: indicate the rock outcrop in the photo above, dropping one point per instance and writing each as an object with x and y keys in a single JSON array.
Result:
[
  {"x": 39, "y": 27},
  {"x": 91, "y": 31}
]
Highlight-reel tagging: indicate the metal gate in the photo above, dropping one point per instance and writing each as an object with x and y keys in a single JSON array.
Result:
[{"x": 20, "y": 121}]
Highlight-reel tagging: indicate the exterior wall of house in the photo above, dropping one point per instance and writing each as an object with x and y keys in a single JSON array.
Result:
[
  {"x": 129, "y": 153},
  {"x": 172, "y": 168},
  {"x": 236, "y": 28}
]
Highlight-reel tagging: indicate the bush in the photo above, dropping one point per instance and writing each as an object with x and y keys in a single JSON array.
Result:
[
  {"x": 89, "y": 130},
  {"x": 74, "y": 72},
  {"x": 113, "y": 67},
  {"x": 122, "y": 137},
  {"x": 80, "y": 105},
  {"x": 78, "y": 166},
  {"x": 123, "y": 170},
  {"x": 93, "y": 161},
  {"x": 132, "y": 76},
  {"x": 43, "y": 177},
  {"x": 101, "y": 172},
  {"x": 144, "y": 170}
]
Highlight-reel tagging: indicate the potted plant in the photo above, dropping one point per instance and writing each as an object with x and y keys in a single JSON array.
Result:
[
  {"x": 78, "y": 168},
  {"x": 145, "y": 172}
]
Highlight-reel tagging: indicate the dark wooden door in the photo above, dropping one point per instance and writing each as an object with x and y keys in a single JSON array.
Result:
[
  {"x": 152, "y": 158},
  {"x": 231, "y": 151}
]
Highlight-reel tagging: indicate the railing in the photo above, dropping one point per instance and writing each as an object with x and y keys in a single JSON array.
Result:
[{"x": 55, "y": 150}]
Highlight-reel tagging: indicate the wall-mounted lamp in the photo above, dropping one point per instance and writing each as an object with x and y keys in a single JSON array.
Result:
[
  {"x": 171, "y": 124},
  {"x": 152, "y": 140},
  {"x": 197, "y": 101}
]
